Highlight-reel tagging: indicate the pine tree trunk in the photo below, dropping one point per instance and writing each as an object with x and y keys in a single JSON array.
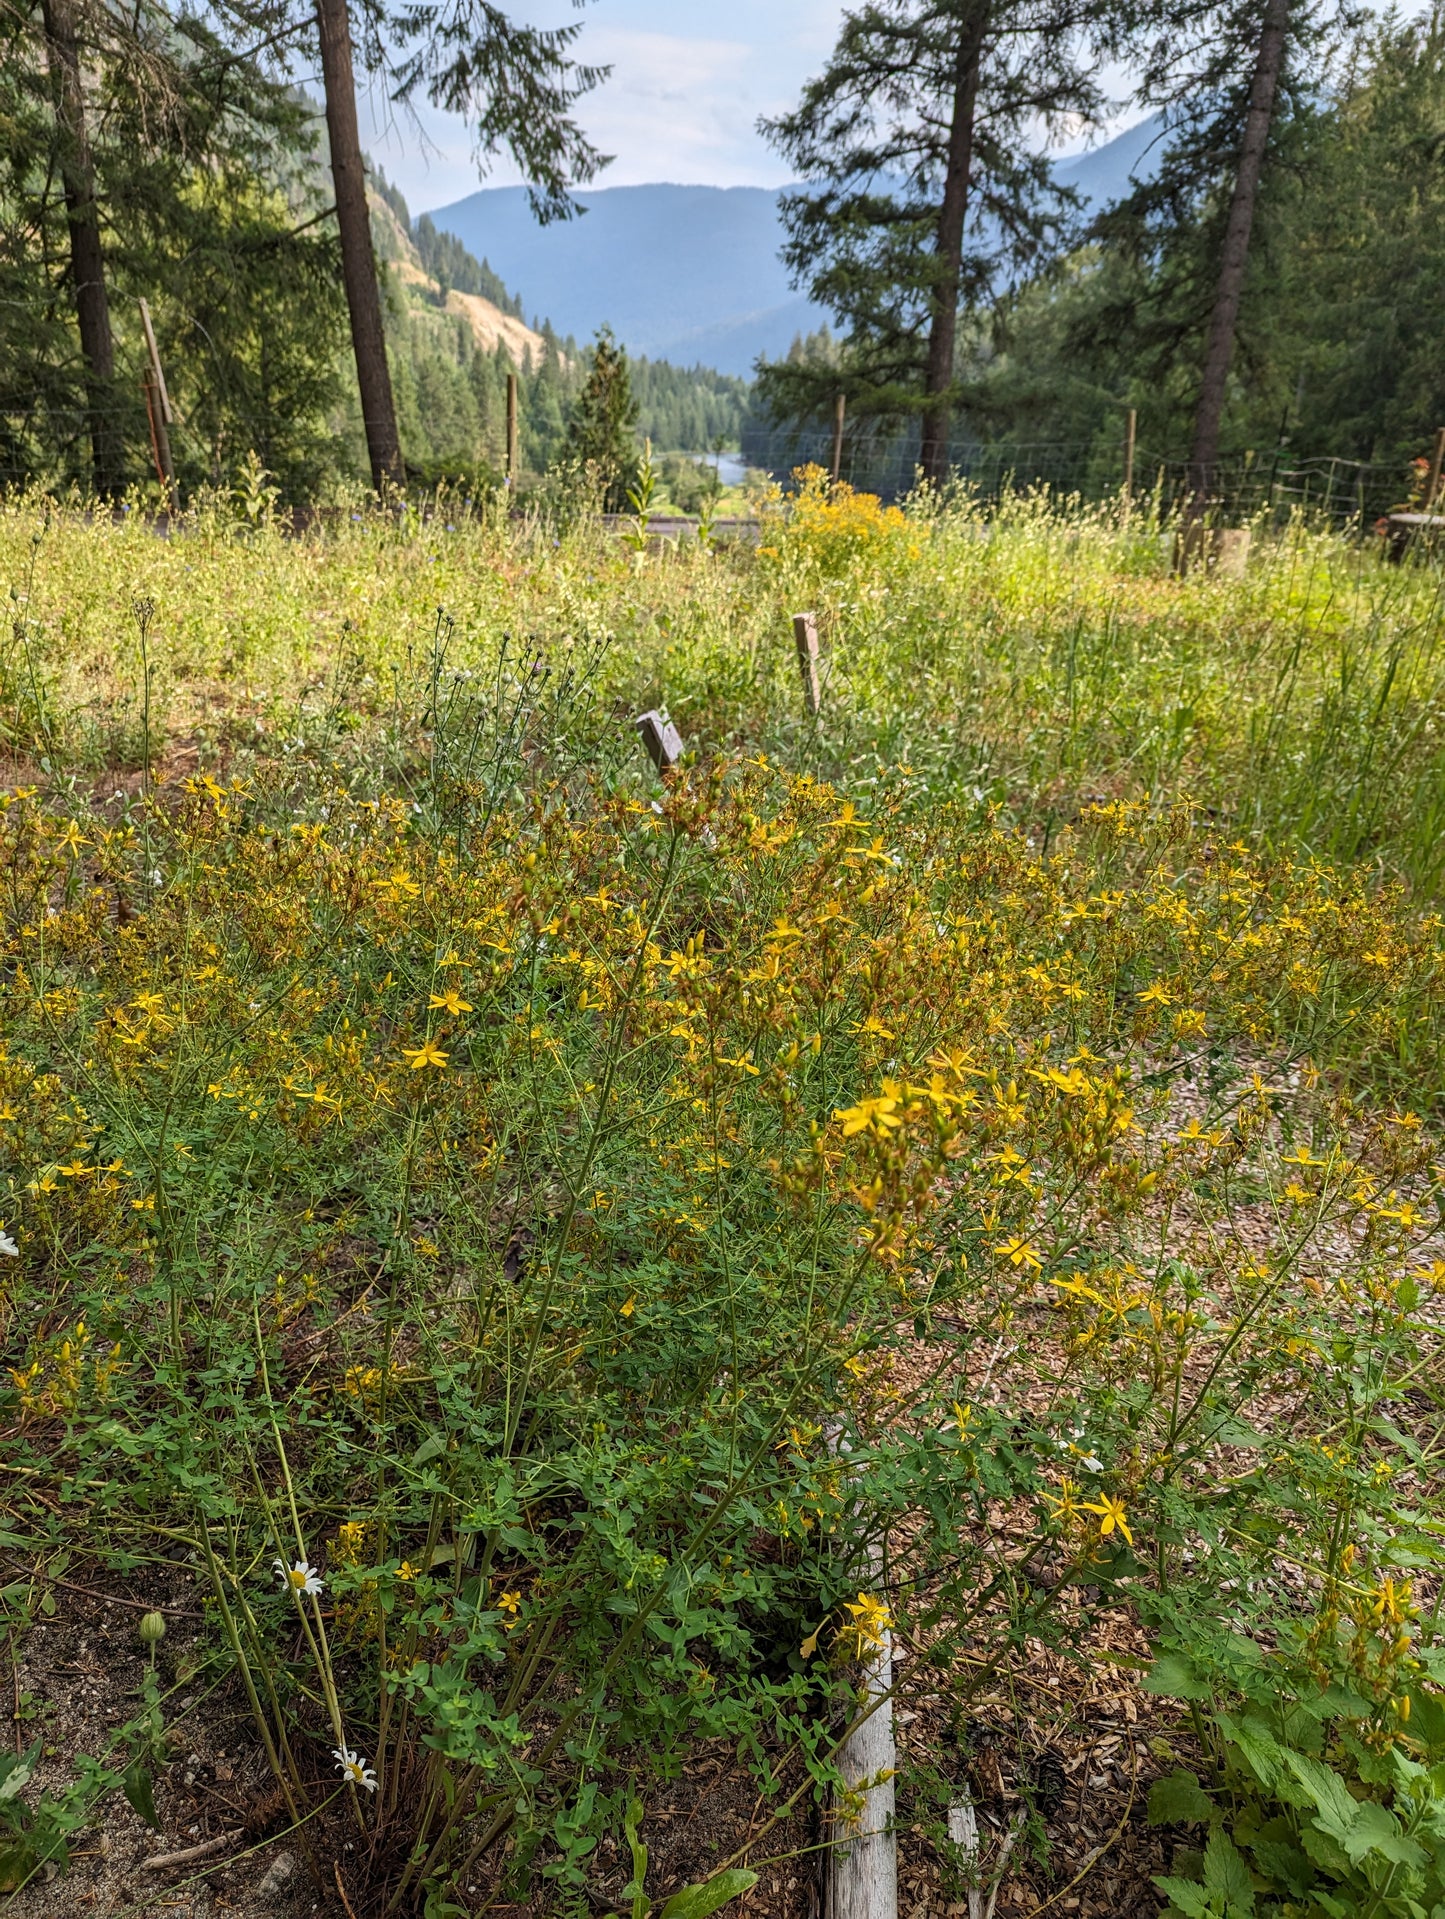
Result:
[
  {"x": 87, "y": 262},
  {"x": 948, "y": 255},
  {"x": 1219, "y": 346},
  {"x": 358, "y": 257}
]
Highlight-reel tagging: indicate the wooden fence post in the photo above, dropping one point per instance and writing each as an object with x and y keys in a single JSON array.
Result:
[
  {"x": 512, "y": 461},
  {"x": 1436, "y": 461},
  {"x": 1129, "y": 430},
  {"x": 805, "y": 632},
  {"x": 840, "y": 413}
]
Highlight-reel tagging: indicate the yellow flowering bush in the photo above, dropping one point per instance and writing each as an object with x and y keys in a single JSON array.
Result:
[
  {"x": 821, "y": 532},
  {"x": 498, "y": 1200}
]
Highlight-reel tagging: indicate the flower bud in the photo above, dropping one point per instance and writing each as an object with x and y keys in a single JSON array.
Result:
[{"x": 152, "y": 1628}]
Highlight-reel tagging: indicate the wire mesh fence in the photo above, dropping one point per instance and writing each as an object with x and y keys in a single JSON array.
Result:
[
  {"x": 49, "y": 448},
  {"x": 1341, "y": 490}
]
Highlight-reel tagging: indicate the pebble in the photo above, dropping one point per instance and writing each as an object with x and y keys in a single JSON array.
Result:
[{"x": 278, "y": 1876}]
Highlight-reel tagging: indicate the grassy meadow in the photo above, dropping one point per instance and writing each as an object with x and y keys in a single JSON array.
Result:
[{"x": 498, "y": 1246}]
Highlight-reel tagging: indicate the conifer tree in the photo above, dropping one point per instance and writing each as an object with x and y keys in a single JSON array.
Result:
[
  {"x": 191, "y": 190},
  {"x": 923, "y": 187},
  {"x": 87, "y": 262},
  {"x": 1235, "y": 80},
  {"x": 515, "y": 85},
  {"x": 602, "y": 430}
]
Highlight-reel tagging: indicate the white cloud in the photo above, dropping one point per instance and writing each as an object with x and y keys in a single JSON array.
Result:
[
  {"x": 674, "y": 108},
  {"x": 681, "y": 104}
]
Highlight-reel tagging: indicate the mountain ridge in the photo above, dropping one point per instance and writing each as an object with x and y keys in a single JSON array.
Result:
[{"x": 683, "y": 273}]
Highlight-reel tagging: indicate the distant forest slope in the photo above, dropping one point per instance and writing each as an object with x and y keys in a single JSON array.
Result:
[{"x": 455, "y": 331}]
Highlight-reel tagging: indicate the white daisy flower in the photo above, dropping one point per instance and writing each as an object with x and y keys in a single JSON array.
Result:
[
  {"x": 8, "y": 1248},
  {"x": 354, "y": 1768},
  {"x": 298, "y": 1579}
]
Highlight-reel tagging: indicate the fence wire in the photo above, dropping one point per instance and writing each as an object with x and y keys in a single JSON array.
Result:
[
  {"x": 51, "y": 448},
  {"x": 1341, "y": 490}
]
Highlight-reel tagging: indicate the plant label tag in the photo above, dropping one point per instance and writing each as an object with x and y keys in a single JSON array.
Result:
[{"x": 661, "y": 738}]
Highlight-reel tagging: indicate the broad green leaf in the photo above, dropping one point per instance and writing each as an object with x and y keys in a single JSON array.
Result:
[
  {"x": 1172, "y": 1677},
  {"x": 1256, "y": 1744},
  {"x": 1178, "y": 1799},
  {"x": 1286, "y": 1864},
  {"x": 1378, "y": 1831},
  {"x": 16, "y": 1769},
  {"x": 429, "y": 1449},
  {"x": 17, "y": 1861},
  {"x": 1325, "y": 1852},
  {"x": 696, "y": 1902},
  {"x": 1336, "y": 1908},
  {"x": 140, "y": 1792},
  {"x": 636, "y": 1888},
  {"x": 1225, "y": 1872},
  {"x": 1334, "y": 1805},
  {"x": 1185, "y": 1896}
]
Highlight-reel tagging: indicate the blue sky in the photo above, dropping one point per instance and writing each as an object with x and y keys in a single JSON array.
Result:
[{"x": 688, "y": 84}]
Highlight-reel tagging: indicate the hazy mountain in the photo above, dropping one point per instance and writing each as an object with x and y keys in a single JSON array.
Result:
[
  {"x": 687, "y": 274},
  {"x": 1102, "y": 174}
]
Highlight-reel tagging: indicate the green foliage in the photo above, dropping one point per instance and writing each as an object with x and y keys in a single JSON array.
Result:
[
  {"x": 210, "y": 223},
  {"x": 37, "y": 1832},
  {"x": 701, "y": 1900},
  {"x": 1300, "y": 1836},
  {"x": 640, "y": 497},
  {"x": 474, "y": 1179},
  {"x": 450, "y": 264},
  {"x": 602, "y": 431},
  {"x": 871, "y": 138},
  {"x": 1331, "y": 359}
]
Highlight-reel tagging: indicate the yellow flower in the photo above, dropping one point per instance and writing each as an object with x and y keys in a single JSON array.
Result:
[
  {"x": 452, "y": 1002},
  {"x": 872, "y": 1025},
  {"x": 1019, "y": 1252},
  {"x": 869, "y": 1626},
  {"x": 1065, "y": 1503},
  {"x": 1111, "y": 1514},
  {"x": 783, "y": 929},
  {"x": 428, "y": 1055},
  {"x": 961, "y": 1423},
  {"x": 881, "y": 1113}
]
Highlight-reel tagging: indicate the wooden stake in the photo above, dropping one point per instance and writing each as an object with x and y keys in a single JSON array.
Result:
[
  {"x": 1129, "y": 454},
  {"x": 155, "y": 359},
  {"x": 158, "y": 408},
  {"x": 1436, "y": 461},
  {"x": 805, "y": 632},
  {"x": 862, "y": 1870},
  {"x": 840, "y": 413},
  {"x": 512, "y": 430},
  {"x": 160, "y": 439}
]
